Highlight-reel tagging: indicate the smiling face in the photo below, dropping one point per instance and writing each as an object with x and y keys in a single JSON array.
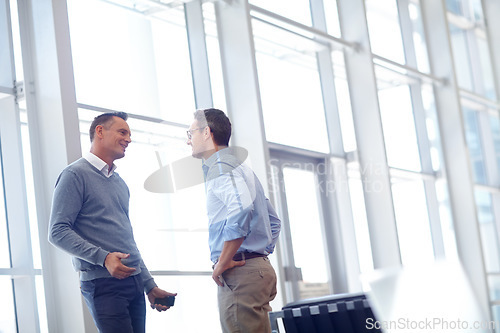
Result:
[{"x": 112, "y": 138}]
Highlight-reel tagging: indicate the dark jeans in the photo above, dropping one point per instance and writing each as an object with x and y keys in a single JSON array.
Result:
[{"x": 117, "y": 306}]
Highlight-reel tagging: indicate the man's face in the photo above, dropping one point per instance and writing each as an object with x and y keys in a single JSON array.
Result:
[
  {"x": 116, "y": 137},
  {"x": 196, "y": 139}
]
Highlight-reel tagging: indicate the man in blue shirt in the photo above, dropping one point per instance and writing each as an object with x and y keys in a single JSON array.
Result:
[
  {"x": 90, "y": 220},
  {"x": 243, "y": 227}
]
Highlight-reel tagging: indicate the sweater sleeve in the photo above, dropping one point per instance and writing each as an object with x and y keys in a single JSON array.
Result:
[
  {"x": 147, "y": 279},
  {"x": 66, "y": 204}
]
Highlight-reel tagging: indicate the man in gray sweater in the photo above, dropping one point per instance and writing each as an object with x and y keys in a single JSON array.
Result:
[{"x": 90, "y": 220}]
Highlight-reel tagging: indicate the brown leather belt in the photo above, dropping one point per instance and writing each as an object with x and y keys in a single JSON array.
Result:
[{"x": 247, "y": 255}]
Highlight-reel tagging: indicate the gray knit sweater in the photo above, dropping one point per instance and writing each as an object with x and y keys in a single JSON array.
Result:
[{"x": 89, "y": 219}]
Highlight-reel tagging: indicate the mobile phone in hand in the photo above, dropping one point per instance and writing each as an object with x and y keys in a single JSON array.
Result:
[{"x": 167, "y": 301}]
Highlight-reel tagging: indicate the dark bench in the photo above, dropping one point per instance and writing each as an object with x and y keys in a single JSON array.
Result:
[{"x": 343, "y": 313}]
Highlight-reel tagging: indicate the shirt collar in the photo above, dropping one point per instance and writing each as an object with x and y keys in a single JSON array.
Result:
[
  {"x": 100, "y": 164},
  {"x": 216, "y": 156}
]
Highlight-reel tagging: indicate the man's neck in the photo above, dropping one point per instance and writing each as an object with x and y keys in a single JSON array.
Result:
[
  {"x": 108, "y": 161},
  {"x": 208, "y": 153}
]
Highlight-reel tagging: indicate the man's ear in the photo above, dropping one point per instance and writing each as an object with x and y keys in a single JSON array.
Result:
[
  {"x": 207, "y": 134},
  {"x": 98, "y": 131}
]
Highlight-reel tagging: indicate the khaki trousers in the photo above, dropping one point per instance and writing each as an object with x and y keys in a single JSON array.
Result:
[{"x": 244, "y": 298}]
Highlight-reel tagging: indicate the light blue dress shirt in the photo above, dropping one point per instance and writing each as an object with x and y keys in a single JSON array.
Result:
[{"x": 237, "y": 206}]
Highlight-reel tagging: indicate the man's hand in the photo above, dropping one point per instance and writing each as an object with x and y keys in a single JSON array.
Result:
[
  {"x": 220, "y": 268},
  {"x": 113, "y": 264},
  {"x": 158, "y": 293}
]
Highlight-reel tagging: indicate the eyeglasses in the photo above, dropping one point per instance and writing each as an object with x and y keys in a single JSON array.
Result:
[{"x": 191, "y": 131}]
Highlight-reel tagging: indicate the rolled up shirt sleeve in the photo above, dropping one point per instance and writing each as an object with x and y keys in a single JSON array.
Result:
[
  {"x": 232, "y": 190},
  {"x": 275, "y": 226}
]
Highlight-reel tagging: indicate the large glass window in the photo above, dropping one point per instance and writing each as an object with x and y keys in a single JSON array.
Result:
[
  {"x": 471, "y": 52},
  {"x": 359, "y": 218},
  {"x": 332, "y": 18},
  {"x": 486, "y": 67},
  {"x": 431, "y": 125},
  {"x": 40, "y": 299},
  {"x": 385, "y": 32},
  {"x": 137, "y": 64},
  {"x": 482, "y": 131},
  {"x": 214, "y": 60},
  {"x": 161, "y": 220},
  {"x": 134, "y": 56},
  {"x": 412, "y": 220},
  {"x": 418, "y": 36},
  {"x": 460, "y": 56},
  {"x": 165, "y": 223},
  {"x": 143, "y": 68},
  {"x": 488, "y": 229},
  {"x": 305, "y": 225},
  {"x": 473, "y": 136},
  {"x": 290, "y": 88},
  {"x": 7, "y": 311},
  {"x": 495, "y": 131},
  {"x": 399, "y": 127},
  {"x": 455, "y": 6},
  {"x": 15, "y": 242},
  {"x": 30, "y": 188},
  {"x": 445, "y": 215},
  {"x": 474, "y": 72}
]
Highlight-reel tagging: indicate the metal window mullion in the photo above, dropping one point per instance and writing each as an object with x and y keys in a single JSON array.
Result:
[
  {"x": 243, "y": 100},
  {"x": 335, "y": 42},
  {"x": 399, "y": 68},
  {"x": 48, "y": 70},
  {"x": 286, "y": 245},
  {"x": 424, "y": 145},
  {"x": 478, "y": 100},
  {"x": 241, "y": 86},
  {"x": 456, "y": 159},
  {"x": 486, "y": 188},
  {"x": 344, "y": 223},
  {"x": 491, "y": 10},
  {"x": 475, "y": 62},
  {"x": 16, "y": 208},
  {"x": 332, "y": 237},
  {"x": 369, "y": 137},
  {"x": 198, "y": 54},
  {"x": 330, "y": 102},
  {"x": 20, "y": 272},
  {"x": 415, "y": 89},
  {"x": 420, "y": 119},
  {"x": 278, "y": 260},
  {"x": 495, "y": 203},
  {"x": 336, "y": 216},
  {"x": 434, "y": 218},
  {"x": 6, "y": 91},
  {"x": 327, "y": 80},
  {"x": 407, "y": 32}
]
